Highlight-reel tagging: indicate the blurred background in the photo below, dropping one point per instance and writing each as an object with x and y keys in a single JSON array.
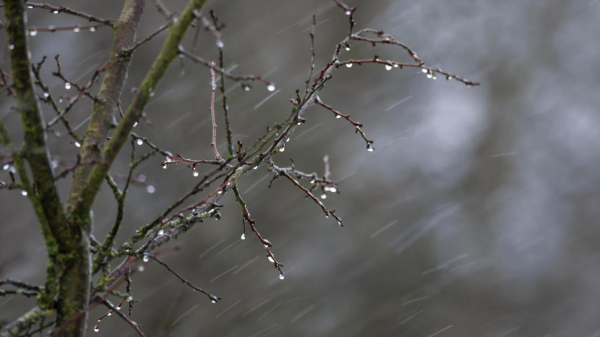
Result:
[{"x": 476, "y": 215}]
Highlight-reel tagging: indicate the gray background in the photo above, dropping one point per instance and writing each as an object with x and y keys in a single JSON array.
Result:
[{"x": 476, "y": 215}]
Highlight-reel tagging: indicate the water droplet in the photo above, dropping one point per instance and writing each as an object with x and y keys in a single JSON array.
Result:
[
  {"x": 340, "y": 223},
  {"x": 388, "y": 67},
  {"x": 67, "y": 85},
  {"x": 46, "y": 95},
  {"x": 5, "y": 167},
  {"x": 332, "y": 189},
  {"x": 313, "y": 181},
  {"x": 218, "y": 216},
  {"x": 146, "y": 258},
  {"x": 448, "y": 78},
  {"x": 96, "y": 328},
  {"x": 33, "y": 32},
  {"x": 246, "y": 87},
  {"x": 243, "y": 237},
  {"x": 425, "y": 71},
  {"x": 30, "y": 7},
  {"x": 140, "y": 142},
  {"x": 271, "y": 259},
  {"x": 255, "y": 168},
  {"x": 24, "y": 193},
  {"x": 55, "y": 12},
  {"x": 348, "y": 12},
  {"x": 76, "y": 30},
  {"x": 141, "y": 178},
  {"x": 92, "y": 29},
  {"x": 429, "y": 75},
  {"x": 370, "y": 148},
  {"x": 348, "y": 65},
  {"x": 396, "y": 65},
  {"x": 323, "y": 196},
  {"x": 11, "y": 47},
  {"x": 347, "y": 48},
  {"x": 164, "y": 166},
  {"x": 338, "y": 116},
  {"x": 220, "y": 44},
  {"x": 77, "y": 144},
  {"x": 271, "y": 87},
  {"x": 195, "y": 174},
  {"x": 161, "y": 232},
  {"x": 282, "y": 148},
  {"x": 135, "y": 124},
  {"x": 152, "y": 93},
  {"x": 281, "y": 277},
  {"x": 119, "y": 306},
  {"x": 213, "y": 301},
  {"x": 220, "y": 192},
  {"x": 109, "y": 313}
]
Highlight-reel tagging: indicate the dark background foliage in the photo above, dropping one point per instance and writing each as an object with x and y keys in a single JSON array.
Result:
[{"x": 476, "y": 215}]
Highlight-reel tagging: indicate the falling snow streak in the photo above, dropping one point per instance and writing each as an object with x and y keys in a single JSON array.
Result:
[
  {"x": 211, "y": 248},
  {"x": 269, "y": 311},
  {"x": 227, "y": 309},
  {"x": 302, "y": 313},
  {"x": 245, "y": 265},
  {"x": 254, "y": 308},
  {"x": 223, "y": 273},
  {"x": 439, "y": 332},
  {"x": 386, "y": 227},
  {"x": 266, "y": 99}
]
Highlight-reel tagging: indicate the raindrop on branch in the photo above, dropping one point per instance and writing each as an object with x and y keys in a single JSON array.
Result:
[
  {"x": 67, "y": 85},
  {"x": 348, "y": 65},
  {"x": 243, "y": 237},
  {"x": 281, "y": 277},
  {"x": 195, "y": 174},
  {"x": 92, "y": 29},
  {"x": 146, "y": 258},
  {"x": 323, "y": 196},
  {"x": 271, "y": 259},
  {"x": 246, "y": 87},
  {"x": 77, "y": 144},
  {"x": 140, "y": 142},
  {"x": 24, "y": 193},
  {"x": 271, "y": 87},
  {"x": 76, "y": 30},
  {"x": 348, "y": 12},
  {"x": 33, "y": 32},
  {"x": 388, "y": 67},
  {"x": 370, "y": 148}
]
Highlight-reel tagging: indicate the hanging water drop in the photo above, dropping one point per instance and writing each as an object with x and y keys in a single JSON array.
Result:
[
  {"x": 323, "y": 196},
  {"x": 213, "y": 301},
  {"x": 77, "y": 144},
  {"x": 109, "y": 313},
  {"x": 255, "y": 168},
  {"x": 140, "y": 142},
  {"x": 145, "y": 258},
  {"x": 246, "y": 87},
  {"x": 24, "y": 193},
  {"x": 96, "y": 328},
  {"x": 150, "y": 189},
  {"x": 425, "y": 71},
  {"x": 370, "y": 148},
  {"x": 92, "y": 29},
  {"x": 220, "y": 44},
  {"x": 271, "y": 87},
  {"x": 347, "y": 48},
  {"x": 282, "y": 148},
  {"x": 348, "y": 65},
  {"x": 55, "y": 12},
  {"x": 388, "y": 67},
  {"x": 348, "y": 12},
  {"x": 338, "y": 116},
  {"x": 395, "y": 65},
  {"x": 195, "y": 174},
  {"x": 76, "y": 30},
  {"x": 281, "y": 277},
  {"x": 135, "y": 124},
  {"x": 46, "y": 95},
  {"x": 33, "y": 32},
  {"x": 243, "y": 237},
  {"x": 67, "y": 85},
  {"x": 271, "y": 259},
  {"x": 429, "y": 75},
  {"x": 218, "y": 216},
  {"x": 161, "y": 232},
  {"x": 164, "y": 166}
]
